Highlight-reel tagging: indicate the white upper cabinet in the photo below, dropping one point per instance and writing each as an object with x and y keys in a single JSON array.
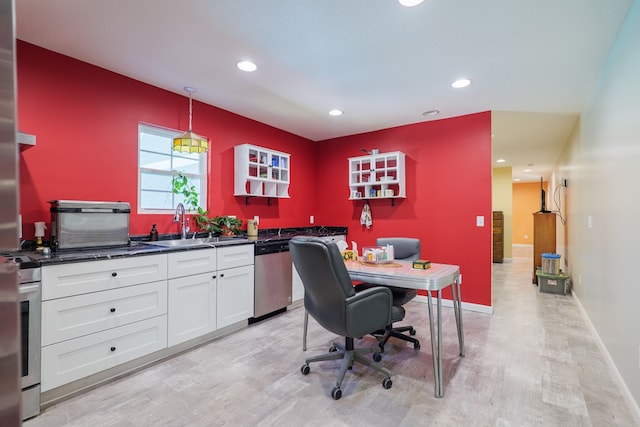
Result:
[
  {"x": 261, "y": 172},
  {"x": 377, "y": 176}
]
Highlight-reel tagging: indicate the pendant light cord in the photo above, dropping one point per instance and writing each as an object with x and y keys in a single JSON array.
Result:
[{"x": 190, "y": 110}]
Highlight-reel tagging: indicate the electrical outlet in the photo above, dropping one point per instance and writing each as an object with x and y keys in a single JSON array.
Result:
[
  {"x": 480, "y": 221},
  {"x": 311, "y": 219}
]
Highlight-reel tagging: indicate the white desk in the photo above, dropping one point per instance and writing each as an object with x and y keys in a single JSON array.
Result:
[{"x": 436, "y": 278}]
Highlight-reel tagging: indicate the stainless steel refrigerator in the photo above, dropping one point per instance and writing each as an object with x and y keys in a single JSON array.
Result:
[{"x": 10, "y": 388}]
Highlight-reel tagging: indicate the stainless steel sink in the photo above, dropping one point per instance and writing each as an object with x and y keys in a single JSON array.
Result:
[{"x": 204, "y": 241}]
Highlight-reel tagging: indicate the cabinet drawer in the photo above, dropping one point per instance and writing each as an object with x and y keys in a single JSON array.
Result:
[
  {"x": 235, "y": 256},
  {"x": 188, "y": 263},
  {"x": 72, "y": 317},
  {"x": 74, "y": 359},
  {"x": 65, "y": 280}
]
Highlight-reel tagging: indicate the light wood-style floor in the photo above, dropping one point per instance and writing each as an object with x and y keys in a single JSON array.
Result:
[{"x": 533, "y": 362}]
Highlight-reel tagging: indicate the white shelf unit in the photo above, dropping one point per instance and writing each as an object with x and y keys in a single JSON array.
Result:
[
  {"x": 377, "y": 176},
  {"x": 261, "y": 172}
]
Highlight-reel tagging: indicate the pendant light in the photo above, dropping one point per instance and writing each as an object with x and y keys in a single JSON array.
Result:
[{"x": 190, "y": 142}]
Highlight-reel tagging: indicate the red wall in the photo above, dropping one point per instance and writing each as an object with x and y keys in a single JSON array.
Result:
[
  {"x": 85, "y": 119},
  {"x": 86, "y": 122},
  {"x": 448, "y": 184}
]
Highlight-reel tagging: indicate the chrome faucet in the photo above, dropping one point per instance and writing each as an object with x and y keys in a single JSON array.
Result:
[{"x": 181, "y": 217}]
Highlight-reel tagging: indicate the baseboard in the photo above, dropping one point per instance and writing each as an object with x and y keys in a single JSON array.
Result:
[
  {"x": 628, "y": 397},
  {"x": 487, "y": 309}
]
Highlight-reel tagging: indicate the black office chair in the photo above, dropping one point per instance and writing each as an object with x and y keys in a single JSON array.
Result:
[
  {"x": 330, "y": 299},
  {"x": 404, "y": 248}
]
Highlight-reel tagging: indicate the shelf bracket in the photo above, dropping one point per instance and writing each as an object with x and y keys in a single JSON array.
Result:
[
  {"x": 393, "y": 202},
  {"x": 268, "y": 201},
  {"x": 246, "y": 200}
]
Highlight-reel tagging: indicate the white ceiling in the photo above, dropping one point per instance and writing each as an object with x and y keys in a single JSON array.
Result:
[{"x": 531, "y": 62}]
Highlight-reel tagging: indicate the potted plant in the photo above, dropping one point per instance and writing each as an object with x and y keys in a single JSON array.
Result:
[
  {"x": 226, "y": 225},
  {"x": 219, "y": 225}
]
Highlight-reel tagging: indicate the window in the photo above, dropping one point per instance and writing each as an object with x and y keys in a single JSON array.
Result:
[{"x": 158, "y": 163}]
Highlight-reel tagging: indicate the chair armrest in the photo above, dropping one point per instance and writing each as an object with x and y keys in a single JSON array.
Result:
[{"x": 368, "y": 311}]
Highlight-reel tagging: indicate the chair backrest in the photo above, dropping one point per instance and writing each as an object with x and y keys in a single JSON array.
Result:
[
  {"x": 326, "y": 281},
  {"x": 404, "y": 248}
]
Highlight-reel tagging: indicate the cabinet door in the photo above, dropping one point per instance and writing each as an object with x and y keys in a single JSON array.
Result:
[
  {"x": 72, "y": 317},
  {"x": 192, "y": 307},
  {"x": 65, "y": 280},
  {"x": 235, "y": 295},
  {"x": 235, "y": 256},
  {"x": 187, "y": 263},
  {"x": 297, "y": 289}
]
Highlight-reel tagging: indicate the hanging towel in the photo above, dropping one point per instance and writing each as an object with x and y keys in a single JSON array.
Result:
[{"x": 365, "y": 216}]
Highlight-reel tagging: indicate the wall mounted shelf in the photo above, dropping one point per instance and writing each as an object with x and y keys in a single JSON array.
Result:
[
  {"x": 260, "y": 172},
  {"x": 377, "y": 176}
]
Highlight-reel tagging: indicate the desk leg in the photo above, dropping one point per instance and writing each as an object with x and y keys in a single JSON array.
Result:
[
  {"x": 457, "y": 308},
  {"x": 434, "y": 348},
  {"x": 304, "y": 333},
  {"x": 439, "y": 332}
]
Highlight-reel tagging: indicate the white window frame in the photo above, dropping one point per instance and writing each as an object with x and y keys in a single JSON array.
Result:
[{"x": 169, "y": 171}]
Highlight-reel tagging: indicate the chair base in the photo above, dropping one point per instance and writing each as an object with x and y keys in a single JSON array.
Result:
[
  {"x": 397, "y": 332},
  {"x": 349, "y": 355}
]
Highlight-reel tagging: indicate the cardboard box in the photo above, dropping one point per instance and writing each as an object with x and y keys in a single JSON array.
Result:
[
  {"x": 421, "y": 264},
  {"x": 347, "y": 255}
]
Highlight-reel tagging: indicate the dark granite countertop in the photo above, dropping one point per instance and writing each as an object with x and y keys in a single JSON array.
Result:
[{"x": 141, "y": 246}]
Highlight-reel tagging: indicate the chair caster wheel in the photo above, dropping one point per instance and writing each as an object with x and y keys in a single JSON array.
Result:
[
  {"x": 377, "y": 357},
  {"x": 305, "y": 369},
  {"x": 387, "y": 383},
  {"x": 332, "y": 349},
  {"x": 336, "y": 393},
  {"x": 381, "y": 346},
  {"x": 416, "y": 346},
  {"x": 412, "y": 331}
]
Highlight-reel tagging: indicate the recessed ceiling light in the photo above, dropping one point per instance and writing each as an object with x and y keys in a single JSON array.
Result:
[
  {"x": 527, "y": 170},
  {"x": 335, "y": 112},
  {"x": 517, "y": 179},
  {"x": 500, "y": 161},
  {"x": 247, "y": 66},
  {"x": 431, "y": 113},
  {"x": 460, "y": 83},
  {"x": 410, "y": 3}
]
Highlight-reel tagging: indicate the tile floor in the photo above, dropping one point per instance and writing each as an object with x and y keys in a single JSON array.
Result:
[{"x": 533, "y": 362}]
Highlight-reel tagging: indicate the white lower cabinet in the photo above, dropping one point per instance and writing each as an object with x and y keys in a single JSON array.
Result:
[
  {"x": 99, "y": 314},
  {"x": 235, "y": 295},
  {"x": 192, "y": 307},
  {"x": 219, "y": 295},
  {"x": 297, "y": 289},
  {"x": 74, "y": 359}
]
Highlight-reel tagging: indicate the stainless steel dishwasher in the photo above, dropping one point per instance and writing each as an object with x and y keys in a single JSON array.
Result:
[{"x": 272, "y": 291}]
